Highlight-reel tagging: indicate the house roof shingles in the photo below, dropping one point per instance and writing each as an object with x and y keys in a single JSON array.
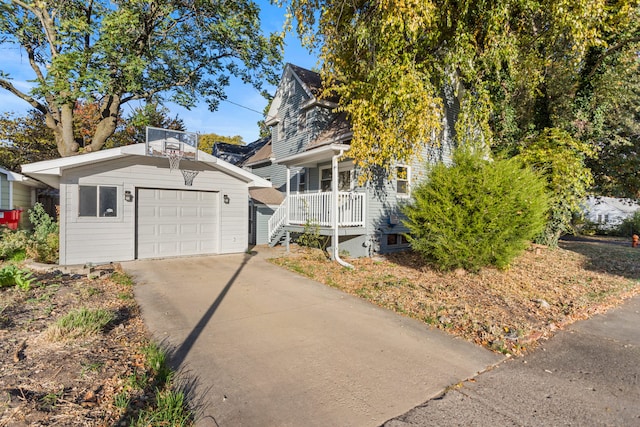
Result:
[
  {"x": 338, "y": 131},
  {"x": 311, "y": 79},
  {"x": 267, "y": 196},
  {"x": 261, "y": 155},
  {"x": 238, "y": 154}
]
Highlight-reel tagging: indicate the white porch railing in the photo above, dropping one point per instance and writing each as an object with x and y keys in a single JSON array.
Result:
[
  {"x": 277, "y": 220},
  {"x": 316, "y": 208}
]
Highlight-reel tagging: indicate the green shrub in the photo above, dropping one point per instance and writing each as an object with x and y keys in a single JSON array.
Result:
[
  {"x": 629, "y": 226},
  {"x": 44, "y": 243},
  {"x": 12, "y": 242},
  {"x": 311, "y": 237},
  {"x": 476, "y": 212},
  {"x": 561, "y": 160}
]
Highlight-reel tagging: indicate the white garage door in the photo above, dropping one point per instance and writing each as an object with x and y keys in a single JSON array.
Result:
[{"x": 176, "y": 223}]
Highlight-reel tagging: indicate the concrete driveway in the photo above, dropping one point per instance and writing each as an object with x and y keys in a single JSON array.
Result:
[{"x": 270, "y": 348}]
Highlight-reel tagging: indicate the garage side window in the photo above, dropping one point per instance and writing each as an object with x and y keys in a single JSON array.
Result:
[{"x": 98, "y": 201}]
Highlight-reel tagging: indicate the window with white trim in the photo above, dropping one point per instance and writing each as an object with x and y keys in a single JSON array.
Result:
[
  {"x": 345, "y": 179},
  {"x": 97, "y": 201},
  {"x": 302, "y": 180},
  {"x": 403, "y": 184}
]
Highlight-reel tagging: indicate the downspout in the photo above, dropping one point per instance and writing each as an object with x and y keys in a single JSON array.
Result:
[
  {"x": 288, "y": 208},
  {"x": 334, "y": 193}
]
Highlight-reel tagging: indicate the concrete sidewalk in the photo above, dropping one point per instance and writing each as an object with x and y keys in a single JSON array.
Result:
[
  {"x": 270, "y": 348},
  {"x": 587, "y": 375}
]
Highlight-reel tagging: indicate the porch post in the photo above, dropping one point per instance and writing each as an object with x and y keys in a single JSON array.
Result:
[
  {"x": 287, "y": 201},
  {"x": 334, "y": 204}
]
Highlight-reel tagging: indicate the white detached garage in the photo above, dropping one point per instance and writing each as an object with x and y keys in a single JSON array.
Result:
[{"x": 121, "y": 204}]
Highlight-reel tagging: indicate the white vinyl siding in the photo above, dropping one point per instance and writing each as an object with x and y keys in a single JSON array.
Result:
[{"x": 100, "y": 240}]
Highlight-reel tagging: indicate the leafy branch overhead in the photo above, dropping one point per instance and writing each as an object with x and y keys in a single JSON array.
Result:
[
  {"x": 499, "y": 72},
  {"x": 116, "y": 52}
]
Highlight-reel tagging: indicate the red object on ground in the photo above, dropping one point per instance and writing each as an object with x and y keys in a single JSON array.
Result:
[
  {"x": 10, "y": 218},
  {"x": 634, "y": 240}
]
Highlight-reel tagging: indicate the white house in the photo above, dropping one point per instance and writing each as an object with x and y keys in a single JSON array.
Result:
[
  {"x": 609, "y": 212},
  {"x": 17, "y": 192},
  {"x": 122, "y": 204}
]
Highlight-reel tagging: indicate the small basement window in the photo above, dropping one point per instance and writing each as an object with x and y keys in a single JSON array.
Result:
[
  {"x": 397, "y": 239},
  {"x": 98, "y": 201}
]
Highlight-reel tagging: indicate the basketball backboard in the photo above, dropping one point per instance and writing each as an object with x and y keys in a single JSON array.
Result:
[{"x": 162, "y": 142}]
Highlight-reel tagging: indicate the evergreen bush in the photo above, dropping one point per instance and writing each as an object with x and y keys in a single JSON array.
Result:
[{"x": 476, "y": 212}]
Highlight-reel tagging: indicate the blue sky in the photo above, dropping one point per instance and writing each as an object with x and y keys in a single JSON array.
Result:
[{"x": 229, "y": 119}]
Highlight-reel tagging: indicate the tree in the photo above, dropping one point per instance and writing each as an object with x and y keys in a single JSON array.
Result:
[
  {"x": 514, "y": 67},
  {"x": 206, "y": 141},
  {"x": 132, "y": 129},
  {"x": 608, "y": 118},
  {"x": 24, "y": 140},
  {"x": 560, "y": 159},
  {"x": 112, "y": 53}
]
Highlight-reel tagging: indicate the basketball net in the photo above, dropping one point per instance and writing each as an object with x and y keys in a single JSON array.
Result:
[
  {"x": 189, "y": 176},
  {"x": 174, "y": 157}
]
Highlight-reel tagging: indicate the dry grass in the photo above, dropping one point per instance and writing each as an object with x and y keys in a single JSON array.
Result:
[
  {"x": 88, "y": 378},
  {"x": 506, "y": 311}
]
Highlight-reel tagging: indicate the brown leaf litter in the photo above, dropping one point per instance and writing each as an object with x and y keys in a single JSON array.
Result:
[{"x": 508, "y": 311}]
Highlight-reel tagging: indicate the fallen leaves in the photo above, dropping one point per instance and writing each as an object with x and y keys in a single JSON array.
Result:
[
  {"x": 72, "y": 382},
  {"x": 507, "y": 311}
]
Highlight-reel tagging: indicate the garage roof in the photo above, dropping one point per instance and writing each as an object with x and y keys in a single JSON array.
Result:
[
  {"x": 16, "y": 177},
  {"x": 49, "y": 171}
]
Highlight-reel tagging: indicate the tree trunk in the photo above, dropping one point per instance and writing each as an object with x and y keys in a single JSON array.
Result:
[
  {"x": 62, "y": 126},
  {"x": 65, "y": 140},
  {"x": 110, "y": 109}
]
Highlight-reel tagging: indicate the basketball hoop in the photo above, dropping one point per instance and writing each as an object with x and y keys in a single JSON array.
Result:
[
  {"x": 174, "y": 157},
  {"x": 189, "y": 176}
]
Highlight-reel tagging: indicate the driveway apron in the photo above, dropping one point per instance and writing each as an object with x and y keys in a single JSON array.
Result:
[{"x": 270, "y": 348}]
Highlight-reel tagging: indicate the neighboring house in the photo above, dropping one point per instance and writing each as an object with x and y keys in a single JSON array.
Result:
[
  {"x": 125, "y": 203},
  {"x": 237, "y": 154},
  {"x": 18, "y": 192},
  {"x": 309, "y": 147},
  {"x": 609, "y": 212}
]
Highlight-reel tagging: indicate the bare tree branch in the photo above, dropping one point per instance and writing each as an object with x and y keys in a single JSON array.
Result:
[{"x": 5, "y": 84}]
